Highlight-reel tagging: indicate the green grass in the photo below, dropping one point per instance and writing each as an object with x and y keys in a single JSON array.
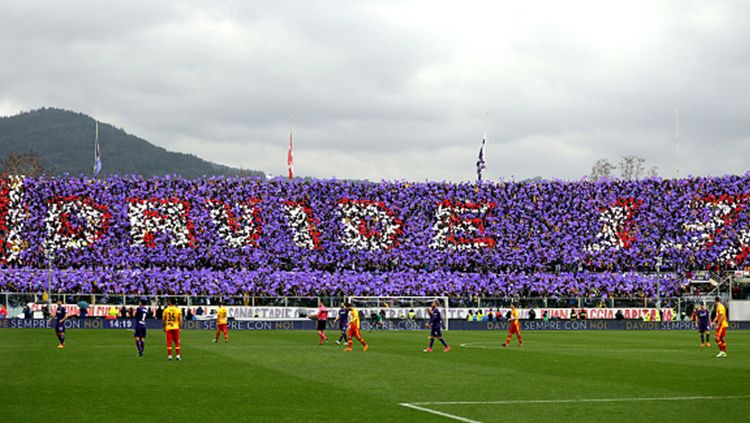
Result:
[{"x": 284, "y": 376}]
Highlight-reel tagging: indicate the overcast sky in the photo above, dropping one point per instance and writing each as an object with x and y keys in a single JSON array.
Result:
[{"x": 397, "y": 89}]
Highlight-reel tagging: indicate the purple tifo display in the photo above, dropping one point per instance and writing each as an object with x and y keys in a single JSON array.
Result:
[{"x": 387, "y": 238}]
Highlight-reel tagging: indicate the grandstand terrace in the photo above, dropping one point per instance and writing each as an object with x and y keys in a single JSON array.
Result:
[{"x": 230, "y": 236}]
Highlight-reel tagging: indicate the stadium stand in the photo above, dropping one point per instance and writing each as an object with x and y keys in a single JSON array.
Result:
[{"x": 313, "y": 237}]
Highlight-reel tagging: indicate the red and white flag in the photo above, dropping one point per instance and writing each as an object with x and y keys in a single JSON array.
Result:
[{"x": 290, "y": 158}]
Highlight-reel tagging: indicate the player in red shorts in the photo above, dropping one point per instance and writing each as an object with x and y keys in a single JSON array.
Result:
[
  {"x": 172, "y": 322},
  {"x": 721, "y": 324},
  {"x": 354, "y": 329},
  {"x": 221, "y": 323},
  {"x": 515, "y": 327}
]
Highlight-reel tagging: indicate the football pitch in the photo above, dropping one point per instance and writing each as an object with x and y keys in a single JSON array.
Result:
[{"x": 285, "y": 376}]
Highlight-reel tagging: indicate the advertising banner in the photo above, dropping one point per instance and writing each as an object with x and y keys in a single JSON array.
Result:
[
  {"x": 391, "y": 313},
  {"x": 406, "y": 324}
]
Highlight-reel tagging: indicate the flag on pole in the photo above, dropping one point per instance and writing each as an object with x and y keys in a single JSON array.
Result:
[
  {"x": 97, "y": 154},
  {"x": 481, "y": 162},
  {"x": 290, "y": 157}
]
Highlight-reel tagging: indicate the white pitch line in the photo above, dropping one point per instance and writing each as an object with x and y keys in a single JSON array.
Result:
[
  {"x": 498, "y": 346},
  {"x": 438, "y": 413},
  {"x": 418, "y": 405},
  {"x": 579, "y": 400}
]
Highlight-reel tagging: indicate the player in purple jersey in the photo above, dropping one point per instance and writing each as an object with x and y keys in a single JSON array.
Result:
[
  {"x": 702, "y": 318},
  {"x": 60, "y": 317},
  {"x": 436, "y": 330},
  {"x": 140, "y": 327},
  {"x": 343, "y": 319}
]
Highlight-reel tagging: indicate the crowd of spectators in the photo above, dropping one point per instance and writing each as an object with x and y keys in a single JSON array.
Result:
[
  {"x": 320, "y": 283},
  {"x": 317, "y": 237}
]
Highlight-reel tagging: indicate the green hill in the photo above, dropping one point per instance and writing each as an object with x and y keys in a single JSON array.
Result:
[{"x": 64, "y": 142}]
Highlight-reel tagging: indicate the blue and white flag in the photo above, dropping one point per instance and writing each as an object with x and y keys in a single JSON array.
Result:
[
  {"x": 481, "y": 162},
  {"x": 97, "y": 154}
]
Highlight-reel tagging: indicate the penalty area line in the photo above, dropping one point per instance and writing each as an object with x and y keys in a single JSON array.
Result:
[{"x": 438, "y": 413}]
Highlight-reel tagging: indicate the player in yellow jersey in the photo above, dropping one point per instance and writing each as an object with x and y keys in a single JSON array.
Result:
[
  {"x": 221, "y": 322},
  {"x": 514, "y": 328},
  {"x": 721, "y": 324},
  {"x": 354, "y": 329},
  {"x": 172, "y": 322}
]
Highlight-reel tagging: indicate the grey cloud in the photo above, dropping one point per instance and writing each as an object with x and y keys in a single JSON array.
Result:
[{"x": 395, "y": 90}]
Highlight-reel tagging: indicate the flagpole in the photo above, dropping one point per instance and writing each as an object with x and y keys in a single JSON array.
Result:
[
  {"x": 486, "y": 129},
  {"x": 677, "y": 138},
  {"x": 484, "y": 140}
]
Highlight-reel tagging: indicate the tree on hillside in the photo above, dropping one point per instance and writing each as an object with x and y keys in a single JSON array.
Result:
[{"x": 27, "y": 164}]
